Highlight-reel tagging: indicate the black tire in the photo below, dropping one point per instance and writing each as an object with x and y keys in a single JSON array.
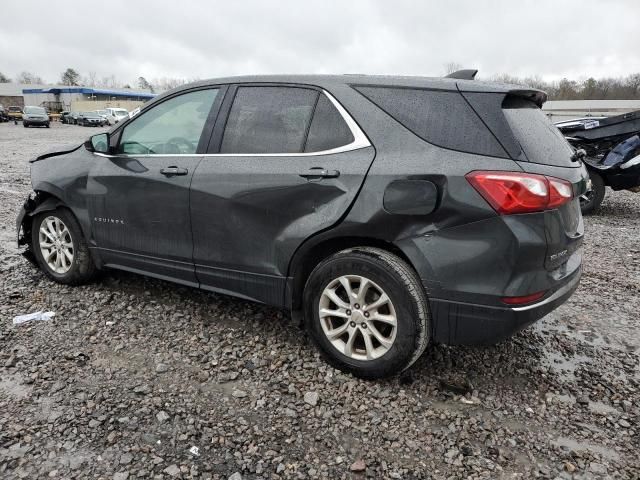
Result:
[
  {"x": 590, "y": 201},
  {"x": 404, "y": 288},
  {"x": 25, "y": 124},
  {"x": 47, "y": 125},
  {"x": 82, "y": 268}
]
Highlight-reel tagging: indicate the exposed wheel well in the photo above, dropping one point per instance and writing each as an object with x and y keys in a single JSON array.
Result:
[
  {"x": 305, "y": 265},
  {"x": 32, "y": 205}
]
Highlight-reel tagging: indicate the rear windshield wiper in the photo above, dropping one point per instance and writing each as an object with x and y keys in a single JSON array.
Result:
[{"x": 578, "y": 154}]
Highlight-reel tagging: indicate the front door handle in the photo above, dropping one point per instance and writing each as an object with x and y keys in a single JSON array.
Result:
[
  {"x": 319, "y": 172},
  {"x": 173, "y": 171}
]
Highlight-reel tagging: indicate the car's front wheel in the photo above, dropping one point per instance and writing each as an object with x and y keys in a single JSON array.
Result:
[
  {"x": 60, "y": 248},
  {"x": 367, "y": 311}
]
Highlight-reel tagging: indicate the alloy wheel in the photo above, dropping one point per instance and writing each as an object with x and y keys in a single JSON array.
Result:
[
  {"x": 358, "y": 317},
  {"x": 56, "y": 245}
]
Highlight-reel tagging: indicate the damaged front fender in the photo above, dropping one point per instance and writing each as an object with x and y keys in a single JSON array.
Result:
[{"x": 35, "y": 203}]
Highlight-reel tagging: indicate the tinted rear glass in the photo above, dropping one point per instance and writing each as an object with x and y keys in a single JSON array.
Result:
[
  {"x": 268, "y": 120},
  {"x": 540, "y": 140},
  {"x": 328, "y": 129},
  {"x": 442, "y": 118}
]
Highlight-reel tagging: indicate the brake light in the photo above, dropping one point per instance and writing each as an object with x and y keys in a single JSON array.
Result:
[
  {"x": 524, "y": 299},
  {"x": 515, "y": 192},
  {"x": 560, "y": 192}
]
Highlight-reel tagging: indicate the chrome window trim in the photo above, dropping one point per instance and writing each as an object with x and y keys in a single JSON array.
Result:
[{"x": 360, "y": 140}]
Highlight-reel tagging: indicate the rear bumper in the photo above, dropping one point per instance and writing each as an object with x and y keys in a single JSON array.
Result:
[{"x": 458, "y": 323}]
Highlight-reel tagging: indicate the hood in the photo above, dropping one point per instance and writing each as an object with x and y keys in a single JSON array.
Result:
[{"x": 54, "y": 153}]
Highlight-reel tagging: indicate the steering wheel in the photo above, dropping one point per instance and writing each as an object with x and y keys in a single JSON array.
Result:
[{"x": 180, "y": 142}]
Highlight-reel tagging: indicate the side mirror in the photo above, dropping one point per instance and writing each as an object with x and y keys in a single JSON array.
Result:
[{"x": 98, "y": 143}]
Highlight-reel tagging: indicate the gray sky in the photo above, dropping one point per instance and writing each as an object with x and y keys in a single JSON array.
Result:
[{"x": 203, "y": 38}]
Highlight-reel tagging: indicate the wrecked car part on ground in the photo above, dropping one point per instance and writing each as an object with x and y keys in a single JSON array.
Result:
[
  {"x": 611, "y": 153},
  {"x": 336, "y": 197}
]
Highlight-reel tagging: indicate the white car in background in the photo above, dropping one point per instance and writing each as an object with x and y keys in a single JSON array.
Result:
[
  {"x": 118, "y": 113},
  {"x": 106, "y": 116}
]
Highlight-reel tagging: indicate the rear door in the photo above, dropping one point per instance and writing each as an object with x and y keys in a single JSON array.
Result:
[
  {"x": 139, "y": 197},
  {"x": 286, "y": 163}
]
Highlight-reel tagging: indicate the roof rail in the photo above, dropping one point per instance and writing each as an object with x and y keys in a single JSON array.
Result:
[{"x": 469, "y": 74}]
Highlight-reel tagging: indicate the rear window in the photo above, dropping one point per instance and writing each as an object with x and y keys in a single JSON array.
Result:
[
  {"x": 442, "y": 118},
  {"x": 540, "y": 140}
]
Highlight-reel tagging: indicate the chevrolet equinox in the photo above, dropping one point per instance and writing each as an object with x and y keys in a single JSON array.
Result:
[{"x": 384, "y": 212}]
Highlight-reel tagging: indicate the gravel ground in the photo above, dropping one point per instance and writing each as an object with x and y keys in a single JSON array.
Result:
[{"x": 133, "y": 373}]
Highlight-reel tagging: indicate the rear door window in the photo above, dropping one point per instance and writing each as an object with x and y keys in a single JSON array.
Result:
[
  {"x": 269, "y": 120},
  {"x": 440, "y": 117},
  {"x": 540, "y": 140}
]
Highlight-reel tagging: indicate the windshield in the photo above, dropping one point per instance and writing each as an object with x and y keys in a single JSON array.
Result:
[
  {"x": 90, "y": 115},
  {"x": 35, "y": 110},
  {"x": 102, "y": 112},
  {"x": 120, "y": 113}
]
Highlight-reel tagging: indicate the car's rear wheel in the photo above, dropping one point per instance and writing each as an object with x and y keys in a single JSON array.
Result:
[
  {"x": 590, "y": 201},
  {"x": 367, "y": 311},
  {"x": 60, "y": 248}
]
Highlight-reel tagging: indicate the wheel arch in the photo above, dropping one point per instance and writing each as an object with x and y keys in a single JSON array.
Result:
[
  {"x": 39, "y": 201},
  {"x": 309, "y": 256}
]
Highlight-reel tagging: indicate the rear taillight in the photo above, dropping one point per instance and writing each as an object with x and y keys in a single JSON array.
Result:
[{"x": 513, "y": 192}]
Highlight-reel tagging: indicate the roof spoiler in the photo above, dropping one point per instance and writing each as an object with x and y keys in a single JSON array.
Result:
[
  {"x": 468, "y": 74},
  {"x": 536, "y": 96}
]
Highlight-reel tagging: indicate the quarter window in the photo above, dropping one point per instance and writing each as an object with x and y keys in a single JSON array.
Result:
[
  {"x": 328, "y": 129},
  {"x": 269, "y": 120},
  {"x": 442, "y": 118},
  {"x": 172, "y": 127}
]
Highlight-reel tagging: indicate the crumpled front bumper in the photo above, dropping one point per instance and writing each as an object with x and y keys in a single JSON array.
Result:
[{"x": 28, "y": 206}]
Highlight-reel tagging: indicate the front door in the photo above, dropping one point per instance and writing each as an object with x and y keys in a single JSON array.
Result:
[
  {"x": 139, "y": 197},
  {"x": 289, "y": 164}
]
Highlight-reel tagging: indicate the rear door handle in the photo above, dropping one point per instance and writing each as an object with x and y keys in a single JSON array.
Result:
[
  {"x": 173, "y": 171},
  {"x": 319, "y": 172}
]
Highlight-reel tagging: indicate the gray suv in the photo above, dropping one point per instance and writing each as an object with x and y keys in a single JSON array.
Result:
[{"x": 384, "y": 212}]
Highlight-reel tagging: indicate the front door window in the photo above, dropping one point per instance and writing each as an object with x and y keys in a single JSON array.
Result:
[{"x": 173, "y": 127}]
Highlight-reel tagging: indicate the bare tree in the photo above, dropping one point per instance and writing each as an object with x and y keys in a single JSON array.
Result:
[
  {"x": 92, "y": 79},
  {"x": 28, "y": 77},
  {"x": 627, "y": 88},
  {"x": 165, "y": 83},
  {"x": 108, "y": 82},
  {"x": 452, "y": 67},
  {"x": 4, "y": 78}
]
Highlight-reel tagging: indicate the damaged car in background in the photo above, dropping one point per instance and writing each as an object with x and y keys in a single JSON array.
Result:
[
  {"x": 384, "y": 213},
  {"x": 610, "y": 149}
]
